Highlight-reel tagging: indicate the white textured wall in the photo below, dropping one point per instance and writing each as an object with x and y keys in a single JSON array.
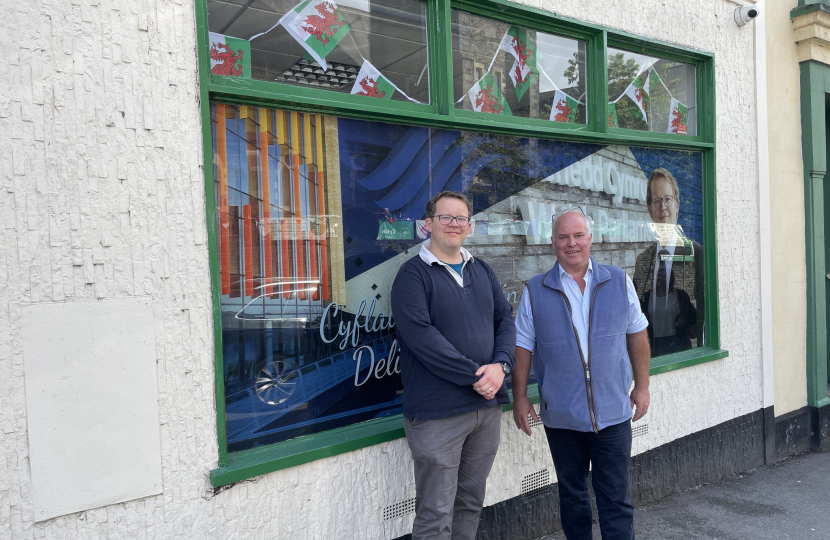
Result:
[{"x": 102, "y": 196}]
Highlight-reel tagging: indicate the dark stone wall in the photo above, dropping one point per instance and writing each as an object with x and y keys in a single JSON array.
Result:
[
  {"x": 820, "y": 429},
  {"x": 792, "y": 433}
]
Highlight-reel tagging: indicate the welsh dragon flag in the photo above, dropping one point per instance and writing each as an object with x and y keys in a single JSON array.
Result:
[
  {"x": 564, "y": 108},
  {"x": 318, "y": 26},
  {"x": 525, "y": 55},
  {"x": 638, "y": 91},
  {"x": 230, "y": 56},
  {"x": 653, "y": 79},
  {"x": 371, "y": 83},
  {"x": 613, "y": 122},
  {"x": 677, "y": 120},
  {"x": 486, "y": 97}
]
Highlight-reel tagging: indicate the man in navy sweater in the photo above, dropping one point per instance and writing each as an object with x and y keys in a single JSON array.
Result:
[{"x": 457, "y": 339}]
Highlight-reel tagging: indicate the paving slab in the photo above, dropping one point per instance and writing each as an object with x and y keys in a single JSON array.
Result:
[{"x": 788, "y": 500}]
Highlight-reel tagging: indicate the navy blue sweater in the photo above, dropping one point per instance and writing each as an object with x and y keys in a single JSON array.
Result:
[{"x": 446, "y": 333}]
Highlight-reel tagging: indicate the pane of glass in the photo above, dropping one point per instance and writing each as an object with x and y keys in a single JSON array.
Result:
[
  {"x": 309, "y": 251},
  {"x": 505, "y": 69},
  {"x": 377, "y": 48},
  {"x": 651, "y": 94}
]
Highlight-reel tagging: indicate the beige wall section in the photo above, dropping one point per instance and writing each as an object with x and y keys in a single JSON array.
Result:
[{"x": 789, "y": 270}]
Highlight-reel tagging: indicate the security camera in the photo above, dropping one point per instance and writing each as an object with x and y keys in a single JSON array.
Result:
[{"x": 745, "y": 15}]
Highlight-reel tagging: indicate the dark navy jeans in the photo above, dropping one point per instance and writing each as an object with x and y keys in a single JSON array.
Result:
[{"x": 609, "y": 454}]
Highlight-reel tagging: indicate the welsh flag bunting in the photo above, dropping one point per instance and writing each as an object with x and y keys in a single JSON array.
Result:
[
  {"x": 677, "y": 121},
  {"x": 371, "y": 83},
  {"x": 487, "y": 97},
  {"x": 230, "y": 56},
  {"x": 525, "y": 55},
  {"x": 564, "y": 108},
  {"x": 522, "y": 78},
  {"x": 638, "y": 92},
  {"x": 653, "y": 79},
  {"x": 613, "y": 122},
  {"x": 318, "y": 26}
]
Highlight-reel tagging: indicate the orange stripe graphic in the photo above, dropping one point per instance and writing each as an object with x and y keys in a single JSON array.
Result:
[
  {"x": 299, "y": 254},
  {"x": 224, "y": 224},
  {"x": 285, "y": 261},
  {"x": 321, "y": 209},
  {"x": 249, "y": 251},
  {"x": 264, "y": 115},
  {"x": 308, "y": 153}
]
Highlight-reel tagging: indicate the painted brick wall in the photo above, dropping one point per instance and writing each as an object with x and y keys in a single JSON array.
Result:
[{"x": 102, "y": 196}]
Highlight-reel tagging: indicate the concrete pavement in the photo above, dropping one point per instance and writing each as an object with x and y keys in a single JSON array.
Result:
[{"x": 788, "y": 500}]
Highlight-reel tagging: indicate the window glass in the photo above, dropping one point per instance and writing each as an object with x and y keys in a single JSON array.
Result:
[
  {"x": 507, "y": 69},
  {"x": 651, "y": 94},
  {"x": 315, "y": 216},
  {"x": 375, "y": 48}
]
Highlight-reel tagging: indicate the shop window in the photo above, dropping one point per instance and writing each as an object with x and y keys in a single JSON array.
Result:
[
  {"x": 315, "y": 216},
  {"x": 651, "y": 94},
  {"x": 374, "y": 48},
  {"x": 526, "y": 73}
]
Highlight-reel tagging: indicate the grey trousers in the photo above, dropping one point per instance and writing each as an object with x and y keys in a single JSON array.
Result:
[{"x": 453, "y": 457}]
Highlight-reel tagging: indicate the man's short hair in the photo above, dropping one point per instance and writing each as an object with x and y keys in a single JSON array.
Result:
[
  {"x": 576, "y": 209},
  {"x": 433, "y": 202},
  {"x": 665, "y": 175}
]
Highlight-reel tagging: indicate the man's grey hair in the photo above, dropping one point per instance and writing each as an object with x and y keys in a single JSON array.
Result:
[{"x": 572, "y": 209}]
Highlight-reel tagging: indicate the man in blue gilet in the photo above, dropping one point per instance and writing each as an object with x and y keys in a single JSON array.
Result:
[{"x": 583, "y": 324}]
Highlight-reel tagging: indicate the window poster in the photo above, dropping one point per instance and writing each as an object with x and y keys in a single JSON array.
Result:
[{"x": 316, "y": 214}]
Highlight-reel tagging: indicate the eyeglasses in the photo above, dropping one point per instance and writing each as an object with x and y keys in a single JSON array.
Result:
[
  {"x": 668, "y": 200},
  {"x": 444, "y": 219}
]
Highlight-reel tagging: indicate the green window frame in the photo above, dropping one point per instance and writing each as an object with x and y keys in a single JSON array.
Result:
[{"x": 440, "y": 113}]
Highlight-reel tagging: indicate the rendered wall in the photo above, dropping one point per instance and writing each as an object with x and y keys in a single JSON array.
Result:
[
  {"x": 102, "y": 197},
  {"x": 786, "y": 173}
]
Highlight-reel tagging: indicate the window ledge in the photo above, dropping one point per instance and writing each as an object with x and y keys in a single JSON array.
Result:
[{"x": 259, "y": 461}]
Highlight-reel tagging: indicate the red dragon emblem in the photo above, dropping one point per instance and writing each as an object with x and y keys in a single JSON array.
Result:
[
  {"x": 370, "y": 88},
  {"x": 521, "y": 51},
  {"x": 520, "y": 82},
  {"x": 564, "y": 111},
  {"x": 611, "y": 121},
  {"x": 677, "y": 125},
  {"x": 486, "y": 101},
  {"x": 639, "y": 94},
  {"x": 227, "y": 60},
  {"x": 326, "y": 24}
]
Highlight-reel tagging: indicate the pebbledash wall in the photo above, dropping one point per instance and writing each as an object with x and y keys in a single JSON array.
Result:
[{"x": 102, "y": 198}]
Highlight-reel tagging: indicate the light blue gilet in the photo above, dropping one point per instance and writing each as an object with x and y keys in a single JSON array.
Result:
[{"x": 577, "y": 395}]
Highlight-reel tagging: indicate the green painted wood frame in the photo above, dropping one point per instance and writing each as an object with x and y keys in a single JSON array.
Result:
[
  {"x": 440, "y": 113},
  {"x": 815, "y": 90}
]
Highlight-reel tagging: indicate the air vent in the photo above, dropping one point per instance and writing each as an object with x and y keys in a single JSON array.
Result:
[
  {"x": 536, "y": 485},
  {"x": 638, "y": 431},
  {"x": 399, "y": 509}
]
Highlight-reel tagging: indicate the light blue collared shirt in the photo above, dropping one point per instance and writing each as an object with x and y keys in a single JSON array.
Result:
[{"x": 580, "y": 311}]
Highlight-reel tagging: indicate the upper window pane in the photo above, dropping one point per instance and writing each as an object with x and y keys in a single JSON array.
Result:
[
  {"x": 651, "y": 94},
  {"x": 506, "y": 69},
  {"x": 375, "y": 48}
]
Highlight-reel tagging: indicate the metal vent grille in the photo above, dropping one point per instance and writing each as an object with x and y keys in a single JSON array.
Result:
[
  {"x": 536, "y": 484},
  {"x": 638, "y": 431},
  {"x": 399, "y": 509}
]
